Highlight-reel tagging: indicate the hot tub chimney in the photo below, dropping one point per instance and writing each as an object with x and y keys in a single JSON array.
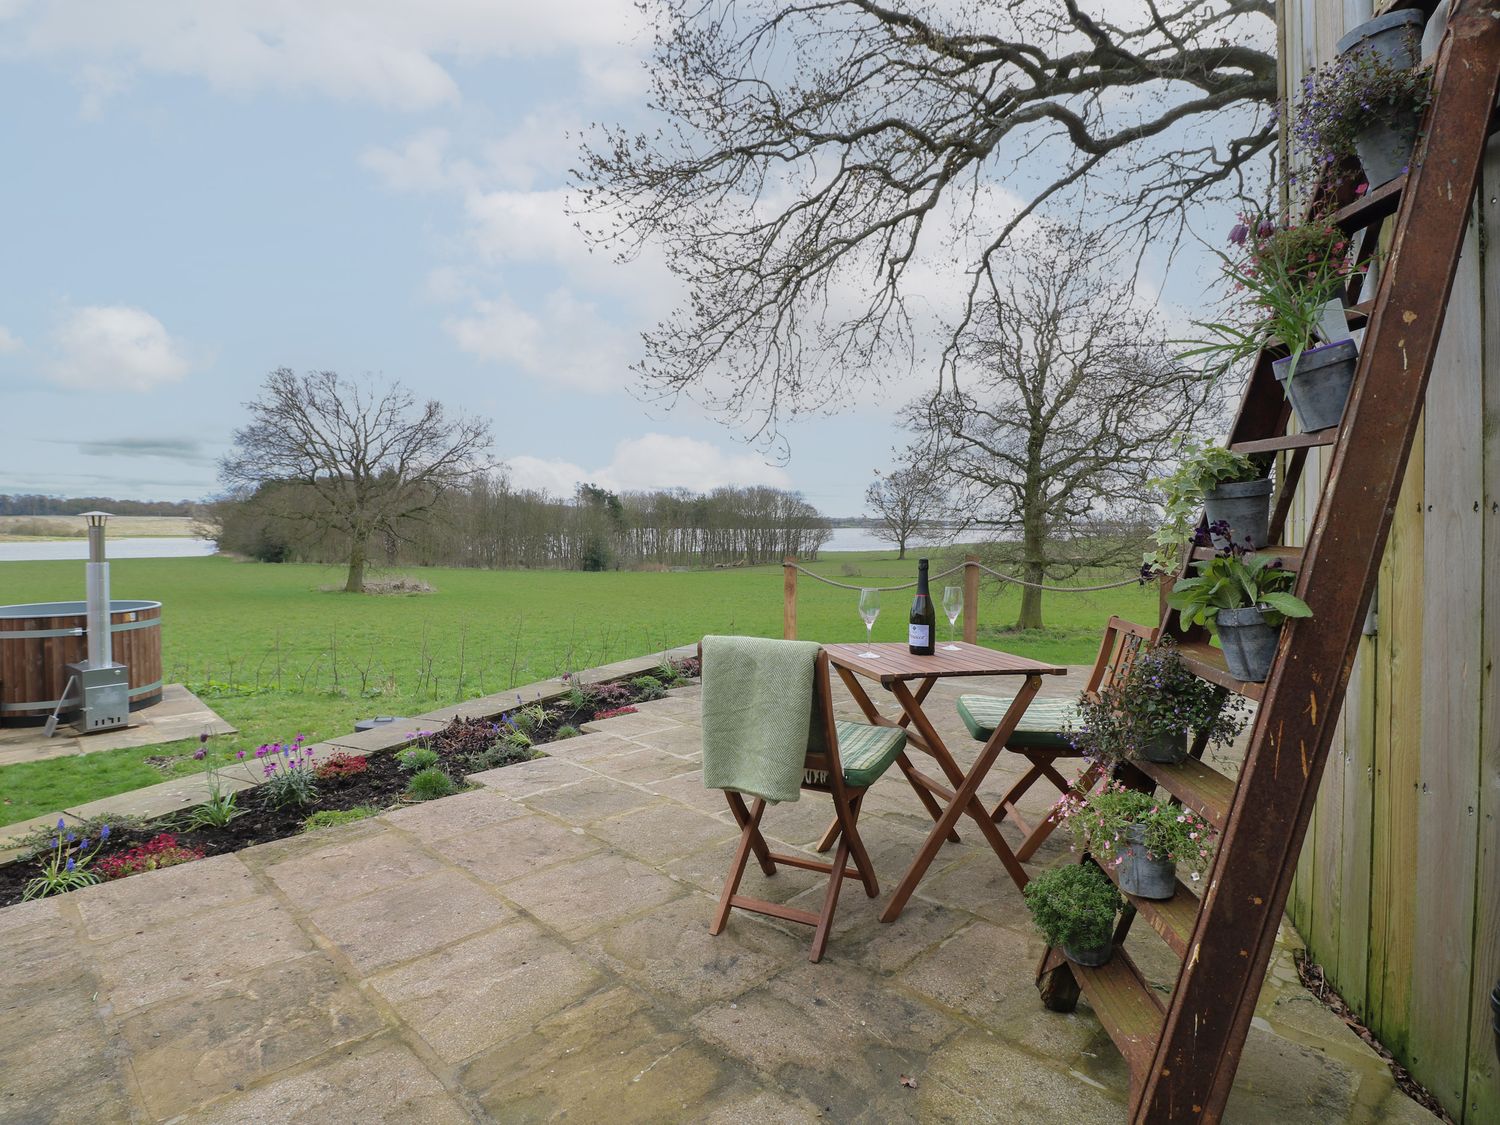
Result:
[
  {"x": 101, "y": 649},
  {"x": 104, "y": 689}
]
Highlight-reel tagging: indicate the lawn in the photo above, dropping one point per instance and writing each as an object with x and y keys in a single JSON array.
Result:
[{"x": 276, "y": 653}]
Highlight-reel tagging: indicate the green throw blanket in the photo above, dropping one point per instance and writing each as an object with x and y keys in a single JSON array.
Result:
[{"x": 757, "y": 708}]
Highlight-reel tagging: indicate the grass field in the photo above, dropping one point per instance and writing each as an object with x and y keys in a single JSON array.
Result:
[{"x": 275, "y": 654}]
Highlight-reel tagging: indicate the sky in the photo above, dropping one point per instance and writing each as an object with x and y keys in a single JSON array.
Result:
[{"x": 200, "y": 191}]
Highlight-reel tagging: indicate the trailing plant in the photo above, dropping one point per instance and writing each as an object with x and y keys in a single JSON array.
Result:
[
  {"x": 1098, "y": 822},
  {"x": 161, "y": 851},
  {"x": 1341, "y": 99},
  {"x": 290, "y": 782},
  {"x": 1074, "y": 905},
  {"x": 339, "y": 766},
  {"x": 416, "y": 758},
  {"x": 1201, "y": 468},
  {"x": 329, "y": 818},
  {"x": 1288, "y": 275},
  {"x": 67, "y": 867},
  {"x": 429, "y": 784},
  {"x": 1234, "y": 579},
  {"x": 1158, "y": 698}
]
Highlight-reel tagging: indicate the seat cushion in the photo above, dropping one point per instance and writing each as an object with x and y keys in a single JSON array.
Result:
[
  {"x": 1041, "y": 728},
  {"x": 865, "y": 751}
]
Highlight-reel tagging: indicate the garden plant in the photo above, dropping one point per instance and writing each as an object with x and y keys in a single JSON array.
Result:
[{"x": 1074, "y": 906}]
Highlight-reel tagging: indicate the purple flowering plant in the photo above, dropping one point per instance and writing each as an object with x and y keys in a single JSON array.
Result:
[
  {"x": 67, "y": 867},
  {"x": 1338, "y": 101},
  {"x": 289, "y": 771},
  {"x": 221, "y": 806}
]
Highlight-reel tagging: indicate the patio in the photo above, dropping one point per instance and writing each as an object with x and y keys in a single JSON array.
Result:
[{"x": 538, "y": 949}]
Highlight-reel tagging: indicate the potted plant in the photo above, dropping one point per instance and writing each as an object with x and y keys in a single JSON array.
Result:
[
  {"x": 1395, "y": 37},
  {"x": 1291, "y": 275},
  {"x": 1074, "y": 906},
  {"x": 1243, "y": 599},
  {"x": 1225, "y": 487},
  {"x": 1366, "y": 104},
  {"x": 1141, "y": 838},
  {"x": 1149, "y": 714}
]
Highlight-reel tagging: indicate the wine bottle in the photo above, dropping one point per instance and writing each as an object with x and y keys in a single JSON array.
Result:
[{"x": 919, "y": 633}]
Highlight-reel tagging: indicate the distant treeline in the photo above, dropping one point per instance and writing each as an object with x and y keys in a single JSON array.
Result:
[
  {"x": 492, "y": 524},
  {"x": 23, "y": 505}
]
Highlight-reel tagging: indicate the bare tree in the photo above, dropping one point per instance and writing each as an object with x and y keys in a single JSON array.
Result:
[
  {"x": 1065, "y": 403},
  {"x": 906, "y": 501},
  {"x": 352, "y": 458},
  {"x": 821, "y": 163}
]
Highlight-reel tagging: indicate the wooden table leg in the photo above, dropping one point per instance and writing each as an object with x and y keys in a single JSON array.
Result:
[{"x": 966, "y": 786}]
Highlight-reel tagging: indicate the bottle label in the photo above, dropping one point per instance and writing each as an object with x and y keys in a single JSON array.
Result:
[{"x": 919, "y": 636}]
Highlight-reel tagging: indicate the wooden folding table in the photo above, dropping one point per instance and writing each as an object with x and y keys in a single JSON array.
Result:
[{"x": 894, "y": 668}]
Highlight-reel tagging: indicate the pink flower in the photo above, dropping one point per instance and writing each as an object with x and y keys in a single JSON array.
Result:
[{"x": 1361, "y": 189}]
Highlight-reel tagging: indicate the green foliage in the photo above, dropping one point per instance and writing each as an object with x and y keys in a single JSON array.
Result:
[
  {"x": 1231, "y": 581},
  {"x": 530, "y": 719},
  {"x": 502, "y": 753},
  {"x": 216, "y": 812},
  {"x": 430, "y": 783},
  {"x": 1201, "y": 468},
  {"x": 415, "y": 758},
  {"x": 66, "y": 867},
  {"x": 1158, "y": 698},
  {"x": 40, "y": 840},
  {"x": 328, "y": 818},
  {"x": 517, "y": 739},
  {"x": 648, "y": 687},
  {"x": 567, "y": 730},
  {"x": 1073, "y": 905},
  {"x": 291, "y": 787},
  {"x": 1099, "y": 823}
]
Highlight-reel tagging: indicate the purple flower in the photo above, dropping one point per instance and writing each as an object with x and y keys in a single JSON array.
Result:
[
  {"x": 61, "y": 824},
  {"x": 199, "y": 754},
  {"x": 71, "y": 864},
  {"x": 203, "y": 737},
  {"x": 1238, "y": 233},
  {"x": 104, "y": 833},
  {"x": 1266, "y": 229}
]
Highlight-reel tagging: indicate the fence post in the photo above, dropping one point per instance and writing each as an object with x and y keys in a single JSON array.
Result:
[
  {"x": 971, "y": 599},
  {"x": 789, "y": 598}
]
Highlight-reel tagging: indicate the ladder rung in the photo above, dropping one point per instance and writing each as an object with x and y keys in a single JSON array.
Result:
[
  {"x": 1287, "y": 441},
  {"x": 1128, "y": 1007},
  {"x": 1172, "y": 918},
  {"x": 1207, "y": 663},
  {"x": 1200, "y": 787},
  {"x": 1291, "y": 557},
  {"x": 1371, "y": 207}
]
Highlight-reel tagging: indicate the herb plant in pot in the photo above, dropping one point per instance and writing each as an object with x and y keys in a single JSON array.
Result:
[
  {"x": 1291, "y": 275},
  {"x": 1074, "y": 906},
  {"x": 1243, "y": 599},
  {"x": 1227, "y": 488},
  {"x": 1366, "y": 104},
  {"x": 1150, "y": 714},
  {"x": 1140, "y": 837}
]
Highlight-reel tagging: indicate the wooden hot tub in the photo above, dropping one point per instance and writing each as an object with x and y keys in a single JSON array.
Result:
[{"x": 39, "y": 640}]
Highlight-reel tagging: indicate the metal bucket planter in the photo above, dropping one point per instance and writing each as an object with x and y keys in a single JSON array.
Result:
[
  {"x": 1249, "y": 644},
  {"x": 1092, "y": 957},
  {"x": 1395, "y": 37},
  {"x": 1167, "y": 748},
  {"x": 1140, "y": 875},
  {"x": 1384, "y": 148},
  {"x": 1246, "y": 507},
  {"x": 1321, "y": 385}
]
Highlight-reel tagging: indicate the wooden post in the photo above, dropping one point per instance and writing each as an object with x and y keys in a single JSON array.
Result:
[
  {"x": 971, "y": 599},
  {"x": 789, "y": 598}
]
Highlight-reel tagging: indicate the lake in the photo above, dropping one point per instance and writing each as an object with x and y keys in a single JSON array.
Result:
[
  {"x": 176, "y": 547},
  {"x": 856, "y": 539}
]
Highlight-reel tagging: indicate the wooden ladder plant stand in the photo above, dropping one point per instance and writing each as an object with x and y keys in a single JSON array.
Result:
[{"x": 1183, "y": 1048}]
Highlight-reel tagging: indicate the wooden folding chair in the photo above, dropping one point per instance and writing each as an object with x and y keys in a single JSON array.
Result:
[
  {"x": 1040, "y": 737},
  {"x": 843, "y": 760}
]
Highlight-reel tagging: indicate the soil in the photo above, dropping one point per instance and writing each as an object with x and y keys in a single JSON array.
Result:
[{"x": 381, "y": 785}]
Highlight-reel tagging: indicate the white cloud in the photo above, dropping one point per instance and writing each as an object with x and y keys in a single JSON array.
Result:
[
  {"x": 563, "y": 340},
  {"x": 389, "y": 52},
  {"x": 115, "y": 347},
  {"x": 9, "y": 341},
  {"x": 651, "y": 461},
  {"x": 418, "y": 165}
]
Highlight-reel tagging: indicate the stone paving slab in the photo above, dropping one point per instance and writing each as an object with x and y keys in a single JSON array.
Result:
[
  {"x": 537, "y": 949},
  {"x": 180, "y": 715}
]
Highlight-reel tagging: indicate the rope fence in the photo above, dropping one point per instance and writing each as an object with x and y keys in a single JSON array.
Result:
[{"x": 971, "y": 567}]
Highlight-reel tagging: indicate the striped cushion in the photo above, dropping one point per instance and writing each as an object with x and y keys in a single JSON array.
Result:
[
  {"x": 865, "y": 751},
  {"x": 1041, "y": 728}
]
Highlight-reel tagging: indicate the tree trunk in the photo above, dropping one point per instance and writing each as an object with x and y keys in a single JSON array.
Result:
[
  {"x": 1031, "y": 598},
  {"x": 355, "y": 584},
  {"x": 901, "y": 547}
]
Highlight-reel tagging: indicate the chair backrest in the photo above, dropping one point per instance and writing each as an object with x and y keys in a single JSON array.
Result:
[{"x": 1117, "y": 652}]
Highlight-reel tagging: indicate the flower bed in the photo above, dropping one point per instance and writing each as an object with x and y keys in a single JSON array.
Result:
[{"x": 301, "y": 785}]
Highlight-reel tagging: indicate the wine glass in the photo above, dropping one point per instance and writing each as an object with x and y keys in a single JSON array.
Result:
[
  {"x": 953, "y": 606},
  {"x": 869, "y": 609}
]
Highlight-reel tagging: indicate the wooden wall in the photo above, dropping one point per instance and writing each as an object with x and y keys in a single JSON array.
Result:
[{"x": 1398, "y": 887}]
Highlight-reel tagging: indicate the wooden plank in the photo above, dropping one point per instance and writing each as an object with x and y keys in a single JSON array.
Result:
[
  {"x": 1371, "y": 207},
  {"x": 1290, "y": 557},
  {"x": 1446, "y": 828},
  {"x": 1198, "y": 786},
  {"x": 892, "y": 662},
  {"x": 1127, "y": 1006},
  {"x": 1172, "y": 918},
  {"x": 1207, "y": 662},
  {"x": 1286, "y": 441},
  {"x": 1351, "y": 972},
  {"x": 789, "y": 599}
]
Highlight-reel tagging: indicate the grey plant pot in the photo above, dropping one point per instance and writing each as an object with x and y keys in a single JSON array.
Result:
[
  {"x": 1320, "y": 387},
  {"x": 1249, "y": 644},
  {"x": 1141, "y": 875},
  {"x": 1384, "y": 148},
  {"x": 1395, "y": 36},
  {"x": 1246, "y": 507},
  {"x": 1093, "y": 958},
  {"x": 1166, "y": 748}
]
